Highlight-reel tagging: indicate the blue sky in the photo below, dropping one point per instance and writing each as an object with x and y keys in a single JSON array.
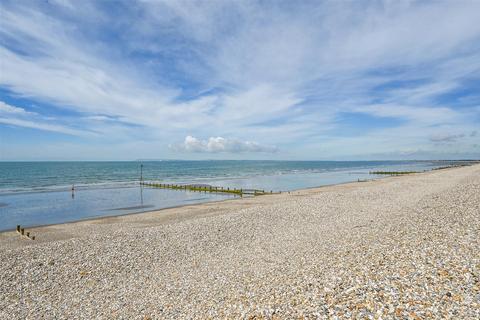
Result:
[{"x": 123, "y": 80}]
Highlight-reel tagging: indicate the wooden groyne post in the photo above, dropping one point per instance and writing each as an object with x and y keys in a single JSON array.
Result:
[
  {"x": 24, "y": 233},
  {"x": 205, "y": 188}
]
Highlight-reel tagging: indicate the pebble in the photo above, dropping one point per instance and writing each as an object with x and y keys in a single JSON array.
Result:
[{"x": 298, "y": 255}]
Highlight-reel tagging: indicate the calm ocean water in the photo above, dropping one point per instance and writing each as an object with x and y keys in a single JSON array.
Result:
[{"x": 38, "y": 193}]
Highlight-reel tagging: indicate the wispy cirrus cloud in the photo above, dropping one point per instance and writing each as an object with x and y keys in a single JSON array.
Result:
[
  {"x": 19, "y": 117},
  {"x": 43, "y": 126},
  {"x": 273, "y": 72},
  {"x": 12, "y": 110}
]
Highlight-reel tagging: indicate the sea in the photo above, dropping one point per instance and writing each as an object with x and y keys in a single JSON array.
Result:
[{"x": 40, "y": 193}]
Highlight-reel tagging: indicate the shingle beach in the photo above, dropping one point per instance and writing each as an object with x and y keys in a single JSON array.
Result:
[{"x": 405, "y": 247}]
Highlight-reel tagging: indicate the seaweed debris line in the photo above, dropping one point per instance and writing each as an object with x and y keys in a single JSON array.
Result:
[{"x": 207, "y": 188}]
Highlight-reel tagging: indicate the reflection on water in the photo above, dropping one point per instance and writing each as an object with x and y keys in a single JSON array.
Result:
[{"x": 40, "y": 208}]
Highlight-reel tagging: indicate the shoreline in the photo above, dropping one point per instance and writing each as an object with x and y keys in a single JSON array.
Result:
[
  {"x": 119, "y": 215},
  {"x": 399, "y": 247},
  {"x": 209, "y": 202},
  {"x": 180, "y": 204}
]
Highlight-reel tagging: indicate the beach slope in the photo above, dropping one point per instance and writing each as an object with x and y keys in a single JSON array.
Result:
[{"x": 400, "y": 247}]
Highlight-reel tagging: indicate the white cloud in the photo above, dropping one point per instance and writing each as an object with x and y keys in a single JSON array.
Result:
[
  {"x": 19, "y": 117},
  {"x": 416, "y": 114},
  {"x": 11, "y": 110},
  {"x": 44, "y": 126},
  {"x": 219, "y": 144}
]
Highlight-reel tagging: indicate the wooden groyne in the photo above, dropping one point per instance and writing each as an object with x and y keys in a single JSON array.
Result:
[
  {"x": 206, "y": 188},
  {"x": 22, "y": 232},
  {"x": 393, "y": 173}
]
